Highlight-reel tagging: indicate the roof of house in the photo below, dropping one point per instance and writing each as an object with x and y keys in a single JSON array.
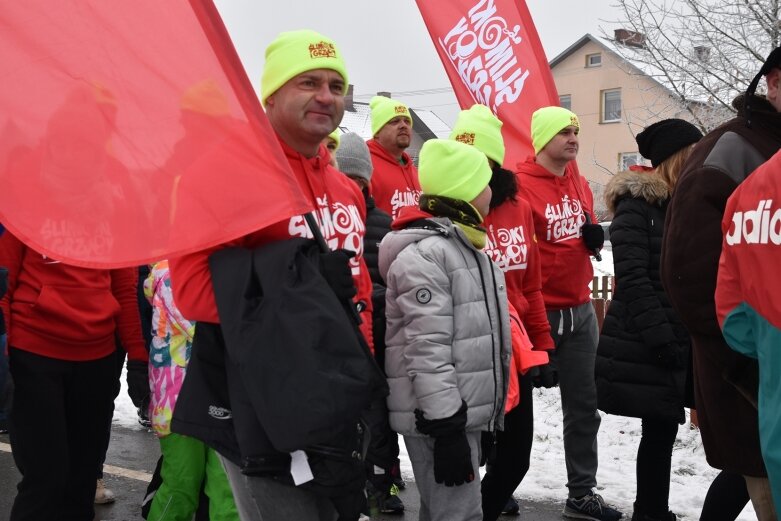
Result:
[{"x": 638, "y": 61}]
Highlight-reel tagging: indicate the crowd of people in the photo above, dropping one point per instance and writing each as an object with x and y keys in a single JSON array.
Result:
[{"x": 278, "y": 371}]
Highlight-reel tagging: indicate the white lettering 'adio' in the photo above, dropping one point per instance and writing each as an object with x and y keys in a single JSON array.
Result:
[
  {"x": 507, "y": 247},
  {"x": 341, "y": 225},
  {"x": 402, "y": 198},
  {"x": 760, "y": 226},
  {"x": 481, "y": 48},
  {"x": 564, "y": 220}
]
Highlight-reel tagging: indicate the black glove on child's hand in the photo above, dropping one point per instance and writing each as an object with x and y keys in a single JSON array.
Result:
[
  {"x": 452, "y": 455},
  {"x": 667, "y": 355},
  {"x": 545, "y": 376},
  {"x": 593, "y": 236},
  {"x": 137, "y": 382},
  {"x": 335, "y": 269},
  {"x": 453, "y": 460}
]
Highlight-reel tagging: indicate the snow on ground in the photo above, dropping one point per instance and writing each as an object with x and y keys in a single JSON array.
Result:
[{"x": 618, "y": 441}]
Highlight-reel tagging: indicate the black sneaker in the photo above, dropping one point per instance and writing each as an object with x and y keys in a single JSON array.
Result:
[
  {"x": 143, "y": 417},
  {"x": 392, "y": 503},
  {"x": 592, "y": 507},
  {"x": 511, "y": 508}
]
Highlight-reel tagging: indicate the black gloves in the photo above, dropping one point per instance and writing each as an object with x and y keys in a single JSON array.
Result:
[
  {"x": 593, "y": 236},
  {"x": 3, "y": 281},
  {"x": 545, "y": 376},
  {"x": 668, "y": 355},
  {"x": 138, "y": 382},
  {"x": 335, "y": 269},
  {"x": 452, "y": 455}
]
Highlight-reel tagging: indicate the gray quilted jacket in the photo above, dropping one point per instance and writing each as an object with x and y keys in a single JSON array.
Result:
[{"x": 448, "y": 328}]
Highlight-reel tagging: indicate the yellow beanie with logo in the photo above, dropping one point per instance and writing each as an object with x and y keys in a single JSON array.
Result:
[
  {"x": 479, "y": 127},
  {"x": 294, "y": 52},
  {"x": 452, "y": 169},
  {"x": 549, "y": 121},
  {"x": 385, "y": 109}
]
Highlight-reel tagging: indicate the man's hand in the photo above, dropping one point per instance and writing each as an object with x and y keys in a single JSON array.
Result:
[
  {"x": 593, "y": 236},
  {"x": 335, "y": 269},
  {"x": 545, "y": 376}
]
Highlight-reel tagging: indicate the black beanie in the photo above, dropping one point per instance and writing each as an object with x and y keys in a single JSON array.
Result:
[{"x": 664, "y": 138}]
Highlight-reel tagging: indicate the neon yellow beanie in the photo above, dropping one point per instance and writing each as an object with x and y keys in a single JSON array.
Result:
[
  {"x": 295, "y": 52},
  {"x": 336, "y": 135},
  {"x": 205, "y": 97},
  {"x": 452, "y": 169},
  {"x": 547, "y": 122},
  {"x": 479, "y": 127},
  {"x": 385, "y": 109}
]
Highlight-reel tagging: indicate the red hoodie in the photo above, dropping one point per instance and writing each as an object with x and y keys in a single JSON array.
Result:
[
  {"x": 558, "y": 205},
  {"x": 512, "y": 245},
  {"x": 393, "y": 185},
  {"x": 340, "y": 211},
  {"x": 65, "y": 312}
]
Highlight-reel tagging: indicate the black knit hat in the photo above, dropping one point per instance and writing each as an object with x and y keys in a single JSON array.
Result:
[{"x": 664, "y": 138}]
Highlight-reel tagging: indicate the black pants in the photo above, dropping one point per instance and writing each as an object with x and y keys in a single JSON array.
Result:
[
  {"x": 118, "y": 362},
  {"x": 654, "y": 457},
  {"x": 726, "y": 498},
  {"x": 513, "y": 450},
  {"x": 57, "y": 427}
]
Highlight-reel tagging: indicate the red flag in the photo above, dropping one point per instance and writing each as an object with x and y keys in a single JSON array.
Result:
[
  {"x": 129, "y": 132},
  {"x": 493, "y": 56}
]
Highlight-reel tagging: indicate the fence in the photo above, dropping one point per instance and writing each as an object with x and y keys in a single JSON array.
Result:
[{"x": 601, "y": 293}]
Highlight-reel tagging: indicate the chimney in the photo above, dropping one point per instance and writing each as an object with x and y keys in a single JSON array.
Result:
[
  {"x": 348, "y": 99},
  {"x": 387, "y": 94},
  {"x": 630, "y": 38},
  {"x": 702, "y": 53}
]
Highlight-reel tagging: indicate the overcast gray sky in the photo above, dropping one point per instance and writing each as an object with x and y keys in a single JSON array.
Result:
[{"x": 385, "y": 42}]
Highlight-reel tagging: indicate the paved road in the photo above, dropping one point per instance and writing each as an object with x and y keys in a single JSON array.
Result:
[{"x": 131, "y": 460}]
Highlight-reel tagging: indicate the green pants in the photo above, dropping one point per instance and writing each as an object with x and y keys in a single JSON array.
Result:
[{"x": 187, "y": 463}]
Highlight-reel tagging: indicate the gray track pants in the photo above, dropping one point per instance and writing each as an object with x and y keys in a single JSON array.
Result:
[{"x": 576, "y": 334}]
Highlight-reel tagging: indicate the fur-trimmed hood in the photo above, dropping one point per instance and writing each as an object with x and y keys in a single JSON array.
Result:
[{"x": 640, "y": 185}]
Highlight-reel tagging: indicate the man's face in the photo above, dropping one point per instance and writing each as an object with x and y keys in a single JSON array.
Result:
[
  {"x": 773, "y": 79},
  {"x": 395, "y": 134},
  {"x": 564, "y": 145},
  {"x": 308, "y": 107}
]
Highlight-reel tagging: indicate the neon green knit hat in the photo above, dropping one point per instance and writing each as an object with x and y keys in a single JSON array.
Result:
[
  {"x": 479, "y": 127},
  {"x": 294, "y": 52},
  {"x": 336, "y": 135},
  {"x": 547, "y": 122},
  {"x": 452, "y": 169},
  {"x": 385, "y": 109}
]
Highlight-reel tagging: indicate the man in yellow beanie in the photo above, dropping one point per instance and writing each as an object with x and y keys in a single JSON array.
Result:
[
  {"x": 395, "y": 178},
  {"x": 563, "y": 209},
  {"x": 447, "y": 352},
  {"x": 303, "y": 86}
]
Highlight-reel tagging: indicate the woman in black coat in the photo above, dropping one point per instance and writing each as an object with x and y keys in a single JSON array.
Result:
[{"x": 643, "y": 354}]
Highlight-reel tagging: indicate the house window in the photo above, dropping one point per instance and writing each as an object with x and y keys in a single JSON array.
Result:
[
  {"x": 611, "y": 105},
  {"x": 627, "y": 159},
  {"x": 593, "y": 60},
  {"x": 565, "y": 101}
]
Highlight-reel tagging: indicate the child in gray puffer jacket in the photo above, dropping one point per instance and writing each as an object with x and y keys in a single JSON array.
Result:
[{"x": 448, "y": 334}]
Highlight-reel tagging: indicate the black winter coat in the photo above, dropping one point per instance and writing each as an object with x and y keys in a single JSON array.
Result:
[
  {"x": 378, "y": 224},
  {"x": 640, "y": 320}
]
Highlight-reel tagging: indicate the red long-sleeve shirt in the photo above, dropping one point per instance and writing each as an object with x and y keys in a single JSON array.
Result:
[
  {"x": 65, "y": 312},
  {"x": 394, "y": 185},
  {"x": 341, "y": 212}
]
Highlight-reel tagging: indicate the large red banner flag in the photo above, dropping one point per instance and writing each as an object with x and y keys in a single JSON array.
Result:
[
  {"x": 129, "y": 132},
  {"x": 493, "y": 55}
]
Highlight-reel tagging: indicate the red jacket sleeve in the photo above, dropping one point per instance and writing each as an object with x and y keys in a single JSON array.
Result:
[
  {"x": 363, "y": 284},
  {"x": 11, "y": 255},
  {"x": 124, "y": 287},
  {"x": 191, "y": 283},
  {"x": 536, "y": 319}
]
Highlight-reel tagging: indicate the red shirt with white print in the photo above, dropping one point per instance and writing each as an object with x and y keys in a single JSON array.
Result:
[
  {"x": 512, "y": 245},
  {"x": 394, "y": 185},
  {"x": 559, "y": 205},
  {"x": 341, "y": 213}
]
